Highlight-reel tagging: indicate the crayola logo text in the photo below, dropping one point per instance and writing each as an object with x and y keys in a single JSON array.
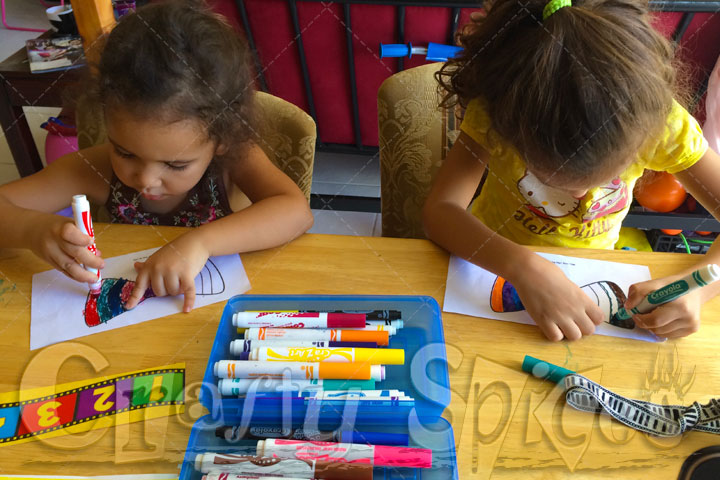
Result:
[{"x": 673, "y": 290}]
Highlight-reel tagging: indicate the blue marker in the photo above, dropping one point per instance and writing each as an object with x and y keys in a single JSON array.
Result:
[
  {"x": 278, "y": 403},
  {"x": 235, "y": 434},
  {"x": 434, "y": 52},
  {"x": 373, "y": 438}
]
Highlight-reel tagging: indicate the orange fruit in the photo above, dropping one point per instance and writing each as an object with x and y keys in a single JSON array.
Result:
[{"x": 659, "y": 191}]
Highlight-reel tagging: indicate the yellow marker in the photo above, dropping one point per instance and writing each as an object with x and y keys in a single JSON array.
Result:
[{"x": 375, "y": 356}]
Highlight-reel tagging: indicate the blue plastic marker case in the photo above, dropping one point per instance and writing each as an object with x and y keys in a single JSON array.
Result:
[{"x": 424, "y": 376}]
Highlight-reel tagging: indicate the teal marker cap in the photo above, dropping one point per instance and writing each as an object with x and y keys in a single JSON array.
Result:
[
  {"x": 348, "y": 384},
  {"x": 542, "y": 369}
]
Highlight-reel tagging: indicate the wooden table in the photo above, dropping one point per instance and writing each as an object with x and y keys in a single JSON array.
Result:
[
  {"x": 506, "y": 424},
  {"x": 20, "y": 88}
]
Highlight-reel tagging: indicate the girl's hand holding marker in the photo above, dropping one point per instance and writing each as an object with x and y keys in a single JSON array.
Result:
[
  {"x": 180, "y": 145},
  {"x": 66, "y": 245},
  {"x": 60, "y": 243},
  {"x": 656, "y": 306},
  {"x": 71, "y": 249}
]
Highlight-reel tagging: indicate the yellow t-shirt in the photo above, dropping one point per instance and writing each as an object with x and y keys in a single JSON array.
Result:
[{"x": 515, "y": 204}]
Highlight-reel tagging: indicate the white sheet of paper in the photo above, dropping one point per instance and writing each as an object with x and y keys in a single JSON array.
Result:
[
  {"x": 58, "y": 302},
  {"x": 469, "y": 286}
]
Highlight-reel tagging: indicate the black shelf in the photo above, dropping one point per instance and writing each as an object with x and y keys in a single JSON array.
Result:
[{"x": 639, "y": 217}]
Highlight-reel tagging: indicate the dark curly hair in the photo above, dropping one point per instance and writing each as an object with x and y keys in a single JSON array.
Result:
[
  {"x": 177, "y": 59},
  {"x": 573, "y": 93}
]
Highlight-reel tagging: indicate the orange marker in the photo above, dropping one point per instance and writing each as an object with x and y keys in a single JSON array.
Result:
[
  {"x": 310, "y": 334},
  {"x": 375, "y": 356}
]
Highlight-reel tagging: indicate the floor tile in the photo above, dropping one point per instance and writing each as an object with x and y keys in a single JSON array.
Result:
[
  {"x": 21, "y": 13},
  {"x": 346, "y": 169},
  {"x": 377, "y": 228},
  {"x": 326, "y": 188},
  {"x": 8, "y": 173},
  {"x": 343, "y": 223}
]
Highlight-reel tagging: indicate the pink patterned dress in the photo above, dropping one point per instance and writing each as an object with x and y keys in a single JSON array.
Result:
[{"x": 205, "y": 202}]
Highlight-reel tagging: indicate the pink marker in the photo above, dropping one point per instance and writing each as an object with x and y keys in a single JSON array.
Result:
[
  {"x": 376, "y": 455},
  {"x": 83, "y": 221},
  {"x": 298, "y": 320}
]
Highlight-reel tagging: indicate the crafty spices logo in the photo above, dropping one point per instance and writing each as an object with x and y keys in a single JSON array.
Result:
[{"x": 504, "y": 420}]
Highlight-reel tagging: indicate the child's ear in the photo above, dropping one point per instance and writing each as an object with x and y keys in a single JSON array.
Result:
[{"x": 221, "y": 149}]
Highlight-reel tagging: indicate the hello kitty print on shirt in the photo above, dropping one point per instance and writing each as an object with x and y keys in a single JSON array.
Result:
[
  {"x": 610, "y": 198},
  {"x": 544, "y": 201}
]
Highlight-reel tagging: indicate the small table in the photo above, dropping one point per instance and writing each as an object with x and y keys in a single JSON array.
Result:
[
  {"x": 507, "y": 425},
  {"x": 20, "y": 88}
]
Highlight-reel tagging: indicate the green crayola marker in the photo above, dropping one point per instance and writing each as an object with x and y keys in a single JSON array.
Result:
[{"x": 699, "y": 278}]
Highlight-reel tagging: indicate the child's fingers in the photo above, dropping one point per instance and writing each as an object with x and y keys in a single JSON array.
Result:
[
  {"x": 659, "y": 317},
  {"x": 677, "y": 328},
  {"x": 141, "y": 285},
  {"x": 551, "y": 331},
  {"x": 76, "y": 246},
  {"x": 586, "y": 325},
  {"x": 189, "y": 291},
  {"x": 75, "y": 271},
  {"x": 86, "y": 257},
  {"x": 637, "y": 292},
  {"x": 679, "y": 333},
  {"x": 71, "y": 234},
  {"x": 158, "y": 284},
  {"x": 571, "y": 330},
  {"x": 668, "y": 329},
  {"x": 172, "y": 285},
  {"x": 71, "y": 268},
  {"x": 595, "y": 315}
]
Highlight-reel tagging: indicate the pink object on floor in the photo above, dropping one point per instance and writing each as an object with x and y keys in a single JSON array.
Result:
[
  {"x": 61, "y": 138},
  {"x": 56, "y": 146}
]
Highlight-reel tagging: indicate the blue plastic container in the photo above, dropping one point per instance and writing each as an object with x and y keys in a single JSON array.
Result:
[{"x": 424, "y": 377}]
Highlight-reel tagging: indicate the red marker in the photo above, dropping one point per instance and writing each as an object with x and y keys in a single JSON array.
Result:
[
  {"x": 298, "y": 320},
  {"x": 83, "y": 221}
]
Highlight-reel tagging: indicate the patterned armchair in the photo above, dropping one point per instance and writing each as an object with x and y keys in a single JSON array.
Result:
[
  {"x": 414, "y": 138},
  {"x": 284, "y": 132}
]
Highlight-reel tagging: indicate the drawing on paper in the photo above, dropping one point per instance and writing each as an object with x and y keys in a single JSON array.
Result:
[
  {"x": 115, "y": 292},
  {"x": 608, "y": 296}
]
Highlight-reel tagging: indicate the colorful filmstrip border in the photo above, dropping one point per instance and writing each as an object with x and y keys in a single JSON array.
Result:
[{"x": 126, "y": 392}]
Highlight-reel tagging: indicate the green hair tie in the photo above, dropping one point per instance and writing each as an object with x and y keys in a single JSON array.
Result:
[{"x": 553, "y": 6}]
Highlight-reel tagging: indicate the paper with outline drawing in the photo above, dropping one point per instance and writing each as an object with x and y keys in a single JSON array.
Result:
[
  {"x": 474, "y": 291},
  {"x": 58, "y": 302}
]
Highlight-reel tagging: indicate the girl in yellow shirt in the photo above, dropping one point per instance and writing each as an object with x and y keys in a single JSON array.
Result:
[{"x": 566, "y": 105}]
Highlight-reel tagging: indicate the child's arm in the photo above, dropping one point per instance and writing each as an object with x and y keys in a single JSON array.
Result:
[
  {"x": 681, "y": 317},
  {"x": 26, "y": 207},
  {"x": 557, "y": 305},
  {"x": 279, "y": 213}
]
